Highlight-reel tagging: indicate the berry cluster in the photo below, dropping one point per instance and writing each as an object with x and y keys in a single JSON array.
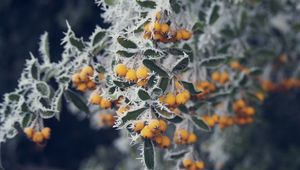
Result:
[
  {"x": 182, "y": 136},
  {"x": 244, "y": 112},
  {"x": 153, "y": 130},
  {"x": 206, "y": 87},
  {"x": 160, "y": 31},
  {"x": 189, "y": 164},
  {"x": 97, "y": 99},
  {"x": 139, "y": 75},
  {"x": 220, "y": 77},
  {"x": 38, "y": 137},
  {"x": 82, "y": 80}
]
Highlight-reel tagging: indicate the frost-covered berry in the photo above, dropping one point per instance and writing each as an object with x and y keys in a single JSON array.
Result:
[
  {"x": 46, "y": 132},
  {"x": 138, "y": 126},
  {"x": 162, "y": 125},
  {"x": 146, "y": 132},
  {"x": 105, "y": 103},
  {"x": 76, "y": 78},
  {"x": 157, "y": 26},
  {"x": 82, "y": 87},
  {"x": 29, "y": 132},
  {"x": 154, "y": 125},
  {"x": 87, "y": 70},
  {"x": 181, "y": 98},
  {"x": 131, "y": 75},
  {"x": 170, "y": 99},
  {"x": 165, "y": 28},
  {"x": 121, "y": 70},
  {"x": 142, "y": 72},
  {"x": 192, "y": 138},
  {"x": 166, "y": 142},
  {"x": 186, "y": 35},
  {"x": 95, "y": 99},
  {"x": 38, "y": 137}
]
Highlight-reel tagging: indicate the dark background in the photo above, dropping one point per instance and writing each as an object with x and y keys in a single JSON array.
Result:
[{"x": 272, "y": 143}]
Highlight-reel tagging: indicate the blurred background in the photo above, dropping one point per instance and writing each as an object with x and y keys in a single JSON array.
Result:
[{"x": 271, "y": 143}]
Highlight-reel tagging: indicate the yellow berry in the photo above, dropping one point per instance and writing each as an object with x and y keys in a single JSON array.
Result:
[
  {"x": 157, "y": 36},
  {"x": 154, "y": 125},
  {"x": 147, "y": 27},
  {"x": 87, "y": 70},
  {"x": 157, "y": 26},
  {"x": 170, "y": 99},
  {"x": 199, "y": 164},
  {"x": 187, "y": 163},
  {"x": 82, "y": 87},
  {"x": 105, "y": 104},
  {"x": 37, "y": 137},
  {"x": 95, "y": 99},
  {"x": 186, "y": 34},
  {"x": 178, "y": 35},
  {"x": 76, "y": 78},
  {"x": 131, "y": 75},
  {"x": 142, "y": 72},
  {"x": 166, "y": 142},
  {"x": 165, "y": 28},
  {"x": 121, "y": 70},
  {"x": 138, "y": 125},
  {"x": 192, "y": 138},
  {"x": 249, "y": 111},
  {"x": 91, "y": 85},
  {"x": 183, "y": 134},
  {"x": 162, "y": 125},
  {"x": 158, "y": 140},
  {"x": 146, "y": 132},
  {"x": 83, "y": 77},
  {"x": 186, "y": 94},
  {"x": 216, "y": 76},
  {"x": 46, "y": 132},
  {"x": 29, "y": 132},
  {"x": 181, "y": 98}
]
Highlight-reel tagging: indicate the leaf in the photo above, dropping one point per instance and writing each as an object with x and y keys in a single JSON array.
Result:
[
  {"x": 183, "y": 108},
  {"x": 27, "y": 119},
  {"x": 181, "y": 64},
  {"x": 177, "y": 155},
  {"x": 163, "y": 84},
  {"x": 163, "y": 113},
  {"x": 200, "y": 124},
  {"x": 175, "y": 6},
  {"x": 98, "y": 37},
  {"x": 125, "y": 53},
  {"x": 132, "y": 115},
  {"x": 78, "y": 43},
  {"x": 110, "y": 2},
  {"x": 143, "y": 95},
  {"x": 214, "y": 15},
  {"x": 156, "y": 92},
  {"x": 176, "y": 119},
  {"x": 76, "y": 100},
  {"x": 198, "y": 27},
  {"x": 14, "y": 97},
  {"x": 153, "y": 67},
  {"x": 122, "y": 84},
  {"x": 47, "y": 113},
  {"x": 126, "y": 43},
  {"x": 189, "y": 51},
  {"x": 43, "y": 88},
  {"x": 190, "y": 87},
  {"x": 242, "y": 80},
  {"x": 255, "y": 71},
  {"x": 175, "y": 51},
  {"x": 213, "y": 61},
  {"x": 44, "y": 48},
  {"x": 34, "y": 70},
  {"x": 151, "y": 53},
  {"x": 146, "y": 4},
  {"x": 148, "y": 154}
]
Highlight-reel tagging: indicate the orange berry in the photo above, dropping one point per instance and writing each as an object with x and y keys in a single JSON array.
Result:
[
  {"x": 154, "y": 125},
  {"x": 165, "y": 28},
  {"x": 87, "y": 70},
  {"x": 199, "y": 164},
  {"x": 170, "y": 99},
  {"x": 178, "y": 35},
  {"x": 121, "y": 70},
  {"x": 37, "y": 137},
  {"x": 147, "y": 27},
  {"x": 192, "y": 138},
  {"x": 187, "y": 163},
  {"x": 157, "y": 26},
  {"x": 91, "y": 85},
  {"x": 142, "y": 83},
  {"x": 82, "y": 87},
  {"x": 131, "y": 75},
  {"x": 166, "y": 142},
  {"x": 138, "y": 125},
  {"x": 162, "y": 125},
  {"x": 105, "y": 104},
  {"x": 181, "y": 98},
  {"x": 95, "y": 99},
  {"x": 142, "y": 72},
  {"x": 76, "y": 78},
  {"x": 29, "y": 132},
  {"x": 186, "y": 35},
  {"x": 249, "y": 111},
  {"x": 216, "y": 76},
  {"x": 146, "y": 132},
  {"x": 46, "y": 132}
]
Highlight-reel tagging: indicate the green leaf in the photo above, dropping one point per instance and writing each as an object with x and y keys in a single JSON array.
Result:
[
  {"x": 14, "y": 97},
  {"x": 213, "y": 61},
  {"x": 132, "y": 115},
  {"x": 176, "y": 119},
  {"x": 78, "y": 43},
  {"x": 200, "y": 124},
  {"x": 43, "y": 88},
  {"x": 146, "y": 4},
  {"x": 126, "y": 43},
  {"x": 243, "y": 79},
  {"x": 156, "y": 92},
  {"x": 183, "y": 108},
  {"x": 47, "y": 113},
  {"x": 163, "y": 113},
  {"x": 163, "y": 84},
  {"x": 189, "y": 51},
  {"x": 34, "y": 71},
  {"x": 198, "y": 27},
  {"x": 214, "y": 15},
  {"x": 27, "y": 119},
  {"x": 181, "y": 64},
  {"x": 151, "y": 53},
  {"x": 177, "y": 155},
  {"x": 122, "y": 84},
  {"x": 143, "y": 95},
  {"x": 175, "y": 51},
  {"x": 243, "y": 20},
  {"x": 148, "y": 154},
  {"x": 110, "y": 2},
  {"x": 98, "y": 37},
  {"x": 153, "y": 67},
  {"x": 190, "y": 87},
  {"x": 77, "y": 100},
  {"x": 175, "y": 6},
  {"x": 125, "y": 53}
]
